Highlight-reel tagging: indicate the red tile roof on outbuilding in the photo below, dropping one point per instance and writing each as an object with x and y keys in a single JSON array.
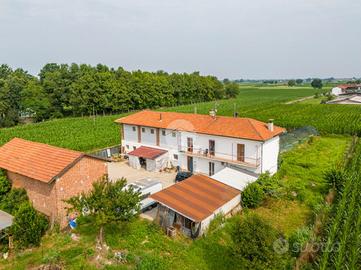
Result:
[
  {"x": 196, "y": 197},
  {"x": 245, "y": 128},
  {"x": 147, "y": 152},
  {"x": 38, "y": 161}
]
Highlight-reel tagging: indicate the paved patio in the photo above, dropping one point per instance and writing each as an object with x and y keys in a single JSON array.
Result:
[{"x": 117, "y": 170}]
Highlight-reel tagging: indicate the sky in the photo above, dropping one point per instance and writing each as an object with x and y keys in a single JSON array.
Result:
[{"x": 254, "y": 39}]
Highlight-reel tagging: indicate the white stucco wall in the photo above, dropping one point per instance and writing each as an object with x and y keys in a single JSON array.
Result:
[
  {"x": 336, "y": 91},
  {"x": 225, "y": 209},
  {"x": 270, "y": 151}
]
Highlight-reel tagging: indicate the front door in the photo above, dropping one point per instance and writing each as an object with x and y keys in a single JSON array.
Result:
[
  {"x": 190, "y": 164},
  {"x": 240, "y": 152}
]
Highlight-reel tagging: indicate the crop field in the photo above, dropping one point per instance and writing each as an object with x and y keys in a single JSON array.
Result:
[
  {"x": 342, "y": 250},
  {"x": 260, "y": 102}
]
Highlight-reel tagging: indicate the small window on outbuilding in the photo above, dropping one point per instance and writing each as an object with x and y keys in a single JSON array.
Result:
[
  {"x": 152, "y": 131},
  {"x": 163, "y": 132},
  {"x": 143, "y": 130},
  {"x": 175, "y": 157},
  {"x": 134, "y": 129}
]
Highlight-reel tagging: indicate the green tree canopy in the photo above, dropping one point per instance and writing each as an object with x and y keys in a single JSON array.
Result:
[{"x": 317, "y": 83}]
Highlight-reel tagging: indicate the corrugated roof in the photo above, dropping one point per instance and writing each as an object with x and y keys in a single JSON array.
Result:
[
  {"x": 39, "y": 161},
  {"x": 246, "y": 128},
  {"x": 147, "y": 152},
  {"x": 196, "y": 197}
]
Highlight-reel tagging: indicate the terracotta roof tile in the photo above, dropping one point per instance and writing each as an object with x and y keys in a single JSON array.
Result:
[
  {"x": 147, "y": 152},
  {"x": 196, "y": 197},
  {"x": 245, "y": 128},
  {"x": 39, "y": 161}
]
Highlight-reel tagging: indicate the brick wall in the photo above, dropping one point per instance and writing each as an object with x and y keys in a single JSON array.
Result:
[
  {"x": 75, "y": 181},
  {"x": 41, "y": 194},
  {"x": 48, "y": 198}
]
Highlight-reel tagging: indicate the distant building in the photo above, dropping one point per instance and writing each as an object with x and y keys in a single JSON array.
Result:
[
  {"x": 346, "y": 99},
  {"x": 346, "y": 89},
  {"x": 49, "y": 174}
]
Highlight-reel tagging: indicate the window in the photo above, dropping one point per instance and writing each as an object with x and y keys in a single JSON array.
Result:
[
  {"x": 134, "y": 128},
  {"x": 240, "y": 152},
  {"x": 163, "y": 132},
  {"x": 143, "y": 130},
  {"x": 173, "y": 134},
  {"x": 211, "y": 168},
  {"x": 212, "y": 146},
  {"x": 134, "y": 147},
  {"x": 190, "y": 144},
  {"x": 175, "y": 157},
  {"x": 152, "y": 131},
  {"x": 127, "y": 146}
]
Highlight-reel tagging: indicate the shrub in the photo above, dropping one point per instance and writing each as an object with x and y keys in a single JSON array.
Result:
[
  {"x": 28, "y": 226},
  {"x": 150, "y": 263},
  {"x": 269, "y": 184},
  {"x": 11, "y": 201},
  {"x": 336, "y": 179},
  {"x": 253, "y": 244},
  {"x": 252, "y": 196},
  {"x": 5, "y": 185},
  {"x": 298, "y": 239}
]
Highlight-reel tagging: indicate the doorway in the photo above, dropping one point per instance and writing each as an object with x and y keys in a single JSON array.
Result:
[{"x": 190, "y": 164}]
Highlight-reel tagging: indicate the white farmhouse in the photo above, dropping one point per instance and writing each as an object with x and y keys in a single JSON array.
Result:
[{"x": 199, "y": 143}]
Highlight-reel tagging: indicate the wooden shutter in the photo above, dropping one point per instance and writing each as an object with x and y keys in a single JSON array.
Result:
[{"x": 240, "y": 152}]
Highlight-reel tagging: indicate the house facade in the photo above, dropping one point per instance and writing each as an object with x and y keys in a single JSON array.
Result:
[
  {"x": 50, "y": 175},
  {"x": 202, "y": 143}
]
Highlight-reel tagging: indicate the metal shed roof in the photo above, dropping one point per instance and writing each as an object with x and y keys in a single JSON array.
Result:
[
  {"x": 196, "y": 197},
  {"x": 6, "y": 220}
]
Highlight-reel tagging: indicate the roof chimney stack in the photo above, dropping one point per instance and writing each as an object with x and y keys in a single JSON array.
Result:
[
  {"x": 213, "y": 113},
  {"x": 270, "y": 125}
]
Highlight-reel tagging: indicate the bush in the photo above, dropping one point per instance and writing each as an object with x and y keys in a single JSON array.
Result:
[
  {"x": 253, "y": 244},
  {"x": 28, "y": 226},
  {"x": 336, "y": 179},
  {"x": 298, "y": 239},
  {"x": 11, "y": 201},
  {"x": 5, "y": 185},
  {"x": 252, "y": 196},
  {"x": 269, "y": 184},
  {"x": 150, "y": 263}
]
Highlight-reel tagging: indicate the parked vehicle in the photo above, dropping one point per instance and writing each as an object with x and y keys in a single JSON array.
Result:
[
  {"x": 147, "y": 187},
  {"x": 182, "y": 176}
]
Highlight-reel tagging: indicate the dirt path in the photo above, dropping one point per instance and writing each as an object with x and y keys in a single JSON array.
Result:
[{"x": 299, "y": 100}]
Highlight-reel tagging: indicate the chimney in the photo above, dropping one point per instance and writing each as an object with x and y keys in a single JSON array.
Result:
[
  {"x": 270, "y": 124},
  {"x": 235, "y": 114},
  {"x": 212, "y": 113},
  {"x": 160, "y": 116}
]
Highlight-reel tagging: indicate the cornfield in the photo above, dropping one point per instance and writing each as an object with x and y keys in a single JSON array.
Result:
[{"x": 343, "y": 242}]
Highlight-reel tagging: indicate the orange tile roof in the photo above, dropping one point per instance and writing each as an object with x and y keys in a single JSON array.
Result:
[
  {"x": 196, "y": 197},
  {"x": 245, "y": 128},
  {"x": 147, "y": 152},
  {"x": 38, "y": 161}
]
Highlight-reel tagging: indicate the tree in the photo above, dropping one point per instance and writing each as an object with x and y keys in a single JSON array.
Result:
[
  {"x": 232, "y": 90},
  {"x": 317, "y": 83},
  {"x": 28, "y": 227},
  {"x": 253, "y": 244},
  {"x": 13, "y": 199},
  {"x": 291, "y": 83},
  {"x": 107, "y": 202},
  {"x": 299, "y": 81},
  {"x": 252, "y": 196}
]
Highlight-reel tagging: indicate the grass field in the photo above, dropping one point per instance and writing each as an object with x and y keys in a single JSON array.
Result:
[{"x": 146, "y": 244}]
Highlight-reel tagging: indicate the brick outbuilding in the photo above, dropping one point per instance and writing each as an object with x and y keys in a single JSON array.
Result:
[{"x": 50, "y": 174}]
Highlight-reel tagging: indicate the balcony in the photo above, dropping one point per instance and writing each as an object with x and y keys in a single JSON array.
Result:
[{"x": 248, "y": 162}]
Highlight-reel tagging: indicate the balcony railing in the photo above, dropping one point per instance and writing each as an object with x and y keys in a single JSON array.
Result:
[{"x": 222, "y": 157}]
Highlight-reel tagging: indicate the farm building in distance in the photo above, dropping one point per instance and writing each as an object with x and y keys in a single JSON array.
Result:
[
  {"x": 49, "y": 174},
  {"x": 346, "y": 89}
]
